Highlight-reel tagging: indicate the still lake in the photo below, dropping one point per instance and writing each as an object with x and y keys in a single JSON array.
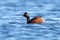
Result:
[{"x": 13, "y": 25}]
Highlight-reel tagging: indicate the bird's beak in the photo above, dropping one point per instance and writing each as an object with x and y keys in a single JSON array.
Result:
[{"x": 22, "y": 15}]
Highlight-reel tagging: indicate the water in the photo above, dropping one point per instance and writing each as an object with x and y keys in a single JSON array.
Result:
[{"x": 13, "y": 25}]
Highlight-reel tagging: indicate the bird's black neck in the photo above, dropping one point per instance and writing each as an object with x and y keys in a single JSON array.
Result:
[{"x": 28, "y": 19}]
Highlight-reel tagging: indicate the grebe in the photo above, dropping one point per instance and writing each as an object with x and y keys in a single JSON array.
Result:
[{"x": 37, "y": 19}]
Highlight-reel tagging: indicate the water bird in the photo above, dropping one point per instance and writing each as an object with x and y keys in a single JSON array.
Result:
[{"x": 37, "y": 19}]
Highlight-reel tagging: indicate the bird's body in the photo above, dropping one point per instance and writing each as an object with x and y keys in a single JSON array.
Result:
[{"x": 37, "y": 19}]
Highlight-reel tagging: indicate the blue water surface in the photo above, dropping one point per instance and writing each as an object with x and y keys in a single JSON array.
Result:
[{"x": 13, "y": 25}]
